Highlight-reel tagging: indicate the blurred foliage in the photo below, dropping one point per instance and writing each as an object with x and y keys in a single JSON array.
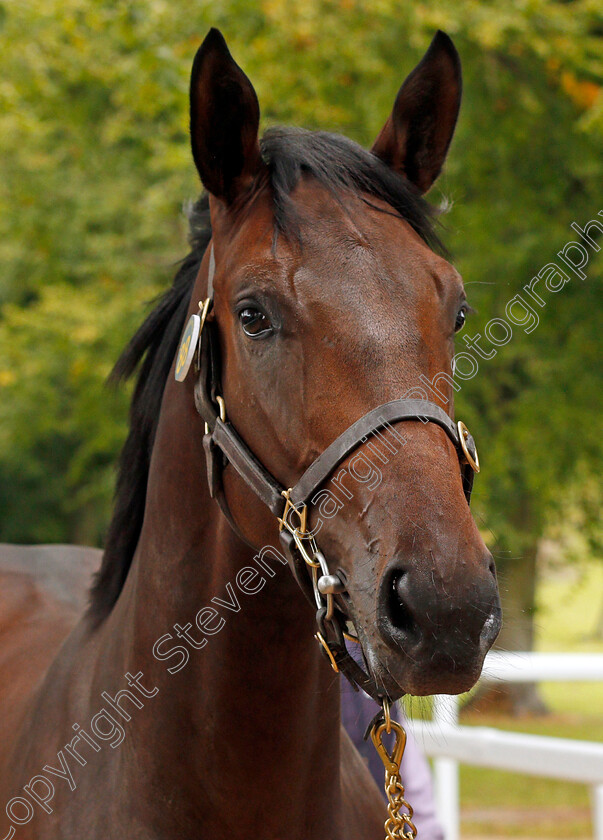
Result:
[{"x": 95, "y": 166}]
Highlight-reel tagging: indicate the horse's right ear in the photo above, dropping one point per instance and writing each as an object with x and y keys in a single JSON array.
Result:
[{"x": 225, "y": 117}]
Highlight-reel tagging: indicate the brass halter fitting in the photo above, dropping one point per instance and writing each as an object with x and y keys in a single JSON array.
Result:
[
  {"x": 322, "y": 641},
  {"x": 399, "y": 822},
  {"x": 300, "y": 511},
  {"x": 463, "y": 435},
  {"x": 222, "y": 407},
  {"x": 204, "y": 307}
]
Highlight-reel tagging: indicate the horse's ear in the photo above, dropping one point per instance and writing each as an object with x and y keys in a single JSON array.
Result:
[
  {"x": 415, "y": 139},
  {"x": 225, "y": 117}
]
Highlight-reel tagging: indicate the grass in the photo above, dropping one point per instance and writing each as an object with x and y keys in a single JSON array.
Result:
[{"x": 497, "y": 804}]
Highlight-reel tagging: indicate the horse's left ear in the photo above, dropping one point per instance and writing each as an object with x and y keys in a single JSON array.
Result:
[
  {"x": 225, "y": 117},
  {"x": 415, "y": 139}
]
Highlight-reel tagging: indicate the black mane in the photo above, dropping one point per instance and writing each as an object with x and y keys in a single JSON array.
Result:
[{"x": 338, "y": 164}]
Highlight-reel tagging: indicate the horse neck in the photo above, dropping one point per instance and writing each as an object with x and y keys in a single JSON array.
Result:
[{"x": 253, "y": 717}]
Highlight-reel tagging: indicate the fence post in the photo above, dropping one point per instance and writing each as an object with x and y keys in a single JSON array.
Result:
[
  {"x": 598, "y": 812},
  {"x": 446, "y": 770}
]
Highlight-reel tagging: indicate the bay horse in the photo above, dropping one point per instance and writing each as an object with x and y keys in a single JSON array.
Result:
[{"x": 190, "y": 699}]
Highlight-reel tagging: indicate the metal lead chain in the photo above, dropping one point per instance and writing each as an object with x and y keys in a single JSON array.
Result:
[{"x": 399, "y": 824}]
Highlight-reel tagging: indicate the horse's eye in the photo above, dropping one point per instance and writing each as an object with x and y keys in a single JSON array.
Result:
[
  {"x": 254, "y": 322},
  {"x": 461, "y": 317}
]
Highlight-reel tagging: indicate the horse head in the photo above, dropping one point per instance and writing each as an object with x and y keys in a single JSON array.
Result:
[{"x": 330, "y": 297}]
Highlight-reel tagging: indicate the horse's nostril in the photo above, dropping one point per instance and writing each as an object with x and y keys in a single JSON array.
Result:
[
  {"x": 492, "y": 568},
  {"x": 400, "y": 615}
]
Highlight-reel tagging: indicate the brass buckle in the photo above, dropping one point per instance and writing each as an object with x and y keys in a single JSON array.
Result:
[
  {"x": 463, "y": 435},
  {"x": 222, "y": 407},
  {"x": 302, "y": 514}
]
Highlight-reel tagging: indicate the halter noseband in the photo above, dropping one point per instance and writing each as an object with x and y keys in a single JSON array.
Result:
[{"x": 224, "y": 446}]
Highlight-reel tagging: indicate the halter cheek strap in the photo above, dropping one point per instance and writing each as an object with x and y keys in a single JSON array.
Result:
[{"x": 223, "y": 445}]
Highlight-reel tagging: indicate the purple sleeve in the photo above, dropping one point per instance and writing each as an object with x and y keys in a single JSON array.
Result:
[{"x": 357, "y": 709}]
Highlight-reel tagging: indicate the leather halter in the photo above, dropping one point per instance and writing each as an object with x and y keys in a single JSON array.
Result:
[{"x": 223, "y": 445}]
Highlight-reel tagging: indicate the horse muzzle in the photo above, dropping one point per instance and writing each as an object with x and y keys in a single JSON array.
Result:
[{"x": 434, "y": 633}]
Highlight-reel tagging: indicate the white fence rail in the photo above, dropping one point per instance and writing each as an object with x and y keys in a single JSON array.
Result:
[{"x": 559, "y": 758}]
